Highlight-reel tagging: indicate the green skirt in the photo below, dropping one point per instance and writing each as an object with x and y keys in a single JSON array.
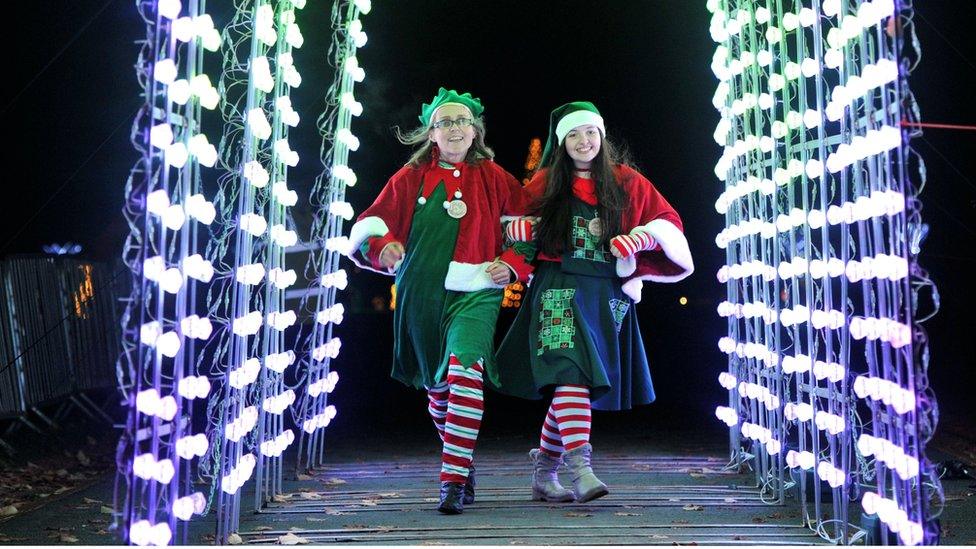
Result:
[{"x": 575, "y": 329}]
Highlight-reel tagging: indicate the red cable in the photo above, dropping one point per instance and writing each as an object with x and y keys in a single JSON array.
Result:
[{"x": 906, "y": 124}]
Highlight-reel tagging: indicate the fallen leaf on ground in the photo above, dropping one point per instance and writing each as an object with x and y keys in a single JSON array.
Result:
[
  {"x": 368, "y": 502},
  {"x": 263, "y": 528},
  {"x": 577, "y": 514},
  {"x": 235, "y": 539},
  {"x": 310, "y": 495},
  {"x": 67, "y": 538},
  {"x": 291, "y": 539},
  {"x": 8, "y": 511},
  {"x": 107, "y": 510},
  {"x": 6, "y": 539},
  {"x": 281, "y": 498},
  {"x": 102, "y": 532},
  {"x": 775, "y": 516},
  {"x": 693, "y": 508},
  {"x": 388, "y": 495},
  {"x": 758, "y": 520},
  {"x": 730, "y": 500},
  {"x": 696, "y": 475},
  {"x": 659, "y": 536},
  {"x": 430, "y": 500},
  {"x": 334, "y": 512},
  {"x": 333, "y": 481},
  {"x": 303, "y": 476},
  {"x": 90, "y": 500},
  {"x": 627, "y": 514},
  {"x": 62, "y": 490}
]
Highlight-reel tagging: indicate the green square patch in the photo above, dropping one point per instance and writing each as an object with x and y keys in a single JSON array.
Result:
[
  {"x": 556, "y": 325},
  {"x": 619, "y": 308},
  {"x": 585, "y": 245}
]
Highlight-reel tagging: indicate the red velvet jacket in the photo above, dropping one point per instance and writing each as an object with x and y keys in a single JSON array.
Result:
[{"x": 489, "y": 193}]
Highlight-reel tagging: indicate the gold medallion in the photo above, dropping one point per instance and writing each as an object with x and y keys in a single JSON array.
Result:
[
  {"x": 457, "y": 209},
  {"x": 595, "y": 227}
]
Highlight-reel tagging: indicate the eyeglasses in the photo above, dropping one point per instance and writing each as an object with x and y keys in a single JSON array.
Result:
[{"x": 448, "y": 124}]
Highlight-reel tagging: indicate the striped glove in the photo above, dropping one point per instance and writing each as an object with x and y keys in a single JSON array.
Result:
[
  {"x": 627, "y": 245},
  {"x": 519, "y": 230}
]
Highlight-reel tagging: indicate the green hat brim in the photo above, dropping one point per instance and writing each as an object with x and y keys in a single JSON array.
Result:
[{"x": 444, "y": 97}]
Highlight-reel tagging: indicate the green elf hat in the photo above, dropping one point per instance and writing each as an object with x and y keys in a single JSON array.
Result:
[
  {"x": 565, "y": 118},
  {"x": 446, "y": 97}
]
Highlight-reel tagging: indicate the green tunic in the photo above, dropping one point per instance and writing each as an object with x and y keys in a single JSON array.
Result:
[{"x": 429, "y": 322}]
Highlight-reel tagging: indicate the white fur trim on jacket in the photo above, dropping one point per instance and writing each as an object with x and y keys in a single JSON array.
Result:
[
  {"x": 469, "y": 277},
  {"x": 674, "y": 245},
  {"x": 365, "y": 228}
]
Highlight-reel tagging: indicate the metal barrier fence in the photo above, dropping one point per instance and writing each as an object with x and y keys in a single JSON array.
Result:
[{"x": 58, "y": 333}]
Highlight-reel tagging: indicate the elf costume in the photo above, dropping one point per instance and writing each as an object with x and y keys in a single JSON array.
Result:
[
  {"x": 577, "y": 330},
  {"x": 448, "y": 218}
]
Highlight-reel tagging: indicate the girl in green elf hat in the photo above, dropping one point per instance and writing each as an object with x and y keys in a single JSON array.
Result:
[
  {"x": 436, "y": 227},
  {"x": 602, "y": 230}
]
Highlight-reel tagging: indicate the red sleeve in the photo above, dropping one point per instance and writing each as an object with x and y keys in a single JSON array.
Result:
[
  {"x": 646, "y": 202},
  {"x": 670, "y": 256},
  {"x": 375, "y": 247},
  {"x": 536, "y": 188},
  {"x": 516, "y": 203},
  {"x": 392, "y": 210}
]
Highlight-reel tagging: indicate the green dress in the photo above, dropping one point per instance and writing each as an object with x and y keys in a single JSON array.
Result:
[
  {"x": 429, "y": 322},
  {"x": 576, "y": 327}
]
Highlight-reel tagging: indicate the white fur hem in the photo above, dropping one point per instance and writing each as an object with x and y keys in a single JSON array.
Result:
[
  {"x": 633, "y": 289},
  {"x": 469, "y": 277},
  {"x": 673, "y": 244},
  {"x": 361, "y": 230},
  {"x": 675, "y": 247},
  {"x": 626, "y": 266}
]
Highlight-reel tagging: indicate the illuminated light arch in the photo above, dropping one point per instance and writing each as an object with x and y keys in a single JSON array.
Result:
[{"x": 820, "y": 207}]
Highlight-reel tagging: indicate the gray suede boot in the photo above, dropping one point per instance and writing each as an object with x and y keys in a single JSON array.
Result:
[
  {"x": 585, "y": 484},
  {"x": 545, "y": 480}
]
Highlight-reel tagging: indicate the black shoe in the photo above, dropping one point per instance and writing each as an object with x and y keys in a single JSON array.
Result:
[
  {"x": 469, "y": 487},
  {"x": 452, "y": 498}
]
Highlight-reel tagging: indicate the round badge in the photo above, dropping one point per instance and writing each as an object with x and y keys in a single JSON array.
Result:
[
  {"x": 457, "y": 173},
  {"x": 457, "y": 209},
  {"x": 595, "y": 227}
]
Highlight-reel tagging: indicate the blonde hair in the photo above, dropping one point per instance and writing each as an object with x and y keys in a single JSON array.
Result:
[{"x": 421, "y": 136}]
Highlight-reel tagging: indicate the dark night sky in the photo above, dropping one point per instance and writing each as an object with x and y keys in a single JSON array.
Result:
[{"x": 71, "y": 96}]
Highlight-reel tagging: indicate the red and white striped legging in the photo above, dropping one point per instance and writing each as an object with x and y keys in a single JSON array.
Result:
[
  {"x": 456, "y": 405},
  {"x": 567, "y": 425}
]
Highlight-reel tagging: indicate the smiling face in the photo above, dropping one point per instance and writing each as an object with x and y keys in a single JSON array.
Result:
[
  {"x": 453, "y": 140},
  {"x": 583, "y": 144}
]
